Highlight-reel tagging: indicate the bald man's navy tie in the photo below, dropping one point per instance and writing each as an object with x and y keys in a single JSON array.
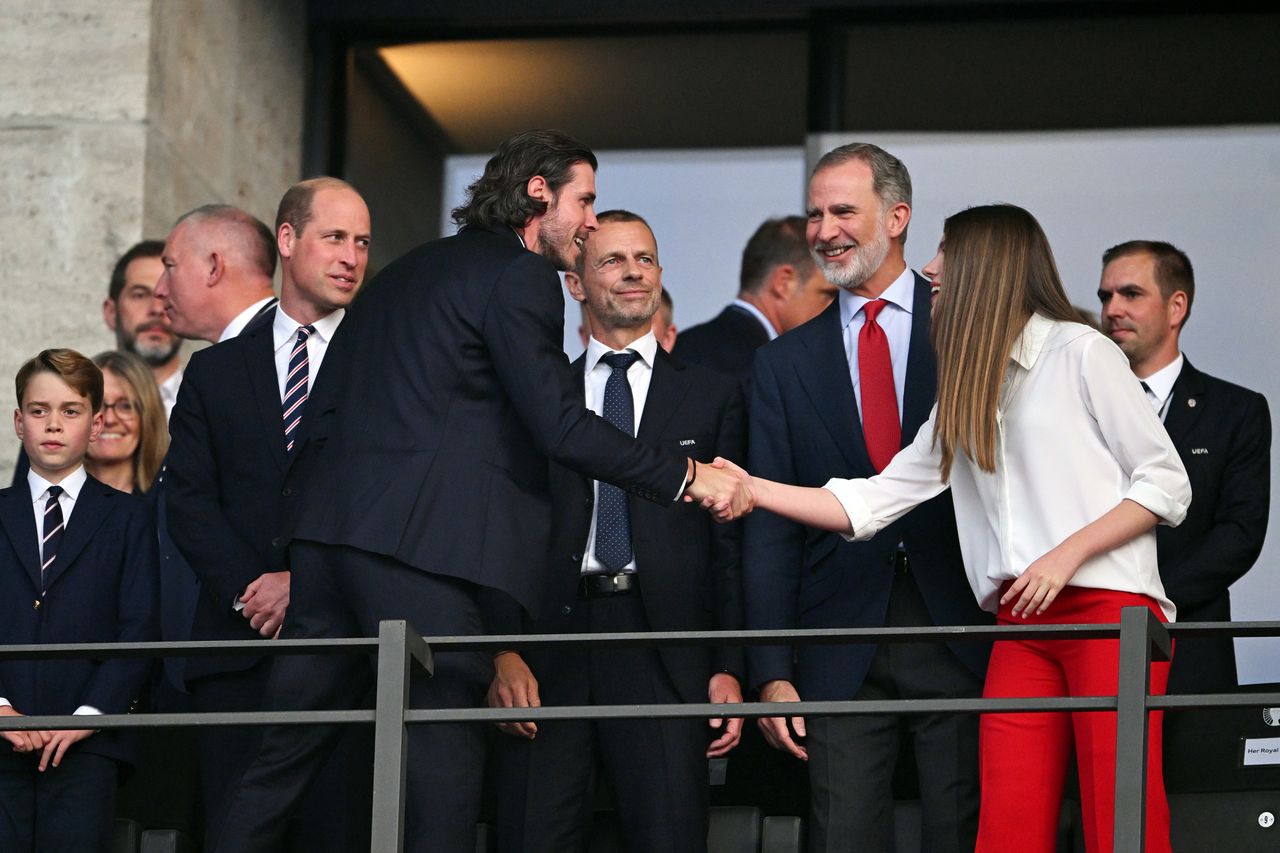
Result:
[{"x": 613, "y": 518}]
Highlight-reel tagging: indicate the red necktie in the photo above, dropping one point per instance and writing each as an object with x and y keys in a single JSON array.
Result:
[{"x": 880, "y": 425}]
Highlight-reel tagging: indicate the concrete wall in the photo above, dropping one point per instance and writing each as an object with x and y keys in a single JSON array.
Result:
[{"x": 114, "y": 119}]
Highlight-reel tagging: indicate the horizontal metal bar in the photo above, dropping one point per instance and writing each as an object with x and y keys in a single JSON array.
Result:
[
  {"x": 797, "y": 637},
  {"x": 221, "y": 718},
  {"x": 190, "y": 648},
  {"x": 762, "y": 709},
  {"x": 1183, "y": 701}
]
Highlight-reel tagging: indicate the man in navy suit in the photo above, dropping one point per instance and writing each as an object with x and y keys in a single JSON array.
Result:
[
  {"x": 1223, "y": 436},
  {"x": 425, "y": 486},
  {"x": 240, "y": 414},
  {"x": 674, "y": 570},
  {"x": 838, "y": 397},
  {"x": 781, "y": 288},
  {"x": 77, "y": 565}
]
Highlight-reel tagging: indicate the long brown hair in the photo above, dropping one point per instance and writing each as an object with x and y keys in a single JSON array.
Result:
[
  {"x": 998, "y": 271},
  {"x": 153, "y": 429}
]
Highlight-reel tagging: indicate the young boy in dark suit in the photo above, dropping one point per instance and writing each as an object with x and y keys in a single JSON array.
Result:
[{"x": 78, "y": 564}]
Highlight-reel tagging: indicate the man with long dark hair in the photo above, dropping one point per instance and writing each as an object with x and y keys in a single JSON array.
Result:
[{"x": 425, "y": 488}]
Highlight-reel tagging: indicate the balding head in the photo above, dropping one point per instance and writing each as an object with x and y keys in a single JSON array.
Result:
[{"x": 218, "y": 260}]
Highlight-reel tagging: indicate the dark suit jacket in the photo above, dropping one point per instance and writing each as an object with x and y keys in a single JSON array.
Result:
[
  {"x": 454, "y": 392},
  {"x": 727, "y": 342},
  {"x": 102, "y": 588},
  {"x": 688, "y": 564},
  {"x": 804, "y": 429},
  {"x": 224, "y": 482},
  {"x": 1223, "y": 434}
]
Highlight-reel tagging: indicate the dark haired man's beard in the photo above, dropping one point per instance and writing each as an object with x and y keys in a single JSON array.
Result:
[{"x": 155, "y": 355}]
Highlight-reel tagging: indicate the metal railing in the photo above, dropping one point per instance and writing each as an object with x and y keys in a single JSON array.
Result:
[{"x": 1143, "y": 638}]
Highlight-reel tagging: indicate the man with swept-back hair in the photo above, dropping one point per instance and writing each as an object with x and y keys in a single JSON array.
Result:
[
  {"x": 843, "y": 393},
  {"x": 780, "y": 288},
  {"x": 424, "y": 488},
  {"x": 1222, "y": 433}
]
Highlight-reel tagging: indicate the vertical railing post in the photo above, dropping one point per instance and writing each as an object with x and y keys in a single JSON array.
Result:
[
  {"x": 1142, "y": 638},
  {"x": 398, "y": 647}
]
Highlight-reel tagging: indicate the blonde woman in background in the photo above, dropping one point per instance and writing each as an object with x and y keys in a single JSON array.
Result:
[{"x": 135, "y": 436}]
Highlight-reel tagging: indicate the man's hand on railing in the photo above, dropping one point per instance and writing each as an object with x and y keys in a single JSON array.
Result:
[
  {"x": 265, "y": 602},
  {"x": 514, "y": 687},
  {"x": 60, "y": 741},
  {"x": 775, "y": 728},
  {"x": 724, "y": 689},
  {"x": 23, "y": 741}
]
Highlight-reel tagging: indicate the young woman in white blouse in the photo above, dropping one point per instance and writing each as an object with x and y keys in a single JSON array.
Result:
[{"x": 1059, "y": 472}]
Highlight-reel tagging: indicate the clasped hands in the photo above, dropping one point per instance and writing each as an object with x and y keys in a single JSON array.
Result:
[
  {"x": 51, "y": 744},
  {"x": 720, "y": 487}
]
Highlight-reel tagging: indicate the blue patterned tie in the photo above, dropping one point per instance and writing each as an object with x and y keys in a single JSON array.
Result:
[
  {"x": 613, "y": 518},
  {"x": 53, "y": 528},
  {"x": 295, "y": 386}
]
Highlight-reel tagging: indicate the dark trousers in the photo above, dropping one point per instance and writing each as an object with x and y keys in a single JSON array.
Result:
[
  {"x": 852, "y": 758},
  {"x": 657, "y": 769},
  {"x": 65, "y": 809},
  {"x": 326, "y": 820},
  {"x": 345, "y": 592}
]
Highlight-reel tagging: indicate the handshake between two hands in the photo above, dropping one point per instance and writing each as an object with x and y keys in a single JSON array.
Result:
[{"x": 722, "y": 488}]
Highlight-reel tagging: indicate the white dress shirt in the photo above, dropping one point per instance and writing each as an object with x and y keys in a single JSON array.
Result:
[
  {"x": 236, "y": 326},
  {"x": 894, "y": 319},
  {"x": 1075, "y": 436},
  {"x": 759, "y": 315},
  {"x": 285, "y": 334},
  {"x": 169, "y": 392},
  {"x": 1159, "y": 386},
  {"x": 71, "y": 486},
  {"x": 638, "y": 377}
]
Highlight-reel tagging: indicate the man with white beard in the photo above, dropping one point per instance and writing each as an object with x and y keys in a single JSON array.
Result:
[{"x": 838, "y": 397}]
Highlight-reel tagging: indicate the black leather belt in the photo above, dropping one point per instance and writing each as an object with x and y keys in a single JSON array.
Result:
[
  {"x": 901, "y": 566},
  {"x": 598, "y": 585}
]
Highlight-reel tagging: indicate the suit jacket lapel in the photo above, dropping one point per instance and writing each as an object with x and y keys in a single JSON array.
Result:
[
  {"x": 825, "y": 377},
  {"x": 91, "y": 508},
  {"x": 1187, "y": 403},
  {"x": 922, "y": 379},
  {"x": 260, "y": 365},
  {"x": 667, "y": 388},
  {"x": 20, "y": 523}
]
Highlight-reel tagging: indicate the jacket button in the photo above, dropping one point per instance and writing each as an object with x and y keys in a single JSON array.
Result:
[
  {"x": 275, "y": 543},
  {"x": 566, "y": 610},
  {"x": 287, "y": 492},
  {"x": 586, "y": 501},
  {"x": 576, "y": 558},
  {"x": 36, "y": 605}
]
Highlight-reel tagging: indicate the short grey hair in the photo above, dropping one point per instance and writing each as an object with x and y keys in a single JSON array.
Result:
[{"x": 890, "y": 179}]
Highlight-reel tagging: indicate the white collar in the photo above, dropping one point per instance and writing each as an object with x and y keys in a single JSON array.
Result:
[
  {"x": 71, "y": 484},
  {"x": 236, "y": 326},
  {"x": 284, "y": 328},
  {"x": 1161, "y": 382},
  {"x": 645, "y": 346},
  {"x": 1030, "y": 342},
  {"x": 759, "y": 315},
  {"x": 901, "y": 293}
]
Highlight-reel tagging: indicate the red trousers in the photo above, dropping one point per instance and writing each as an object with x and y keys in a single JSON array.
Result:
[{"x": 1023, "y": 757}]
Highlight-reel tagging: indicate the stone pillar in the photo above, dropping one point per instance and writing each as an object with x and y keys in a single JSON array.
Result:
[{"x": 115, "y": 118}]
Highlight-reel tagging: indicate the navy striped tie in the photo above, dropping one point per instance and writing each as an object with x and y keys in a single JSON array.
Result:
[
  {"x": 295, "y": 386},
  {"x": 53, "y": 528},
  {"x": 613, "y": 517}
]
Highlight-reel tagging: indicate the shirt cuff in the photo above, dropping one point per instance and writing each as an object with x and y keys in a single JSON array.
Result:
[
  {"x": 1170, "y": 510},
  {"x": 86, "y": 710},
  {"x": 4, "y": 701},
  {"x": 855, "y": 507}
]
